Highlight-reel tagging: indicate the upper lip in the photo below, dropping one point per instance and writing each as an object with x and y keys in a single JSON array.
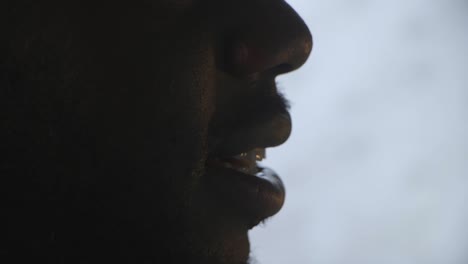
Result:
[
  {"x": 250, "y": 113},
  {"x": 265, "y": 133}
]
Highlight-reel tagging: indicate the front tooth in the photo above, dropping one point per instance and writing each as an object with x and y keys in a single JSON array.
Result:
[{"x": 260, "y": 154}]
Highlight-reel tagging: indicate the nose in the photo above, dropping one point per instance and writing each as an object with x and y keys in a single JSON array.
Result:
[{"x": 271, "y": 39}]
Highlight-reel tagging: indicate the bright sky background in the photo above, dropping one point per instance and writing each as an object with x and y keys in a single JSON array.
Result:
[{"x": 376, "y": 168}]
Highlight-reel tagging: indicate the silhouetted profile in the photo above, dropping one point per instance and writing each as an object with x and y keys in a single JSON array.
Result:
[{"x": 130, "y": 130}]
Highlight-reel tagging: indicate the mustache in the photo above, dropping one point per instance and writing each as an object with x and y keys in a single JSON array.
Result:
[
  {"x": 260, "y": 103},
  {"x": 267, "y": 100}
]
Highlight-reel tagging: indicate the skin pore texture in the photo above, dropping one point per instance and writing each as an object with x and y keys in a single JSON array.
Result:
[{"x": 112, "y": 115}]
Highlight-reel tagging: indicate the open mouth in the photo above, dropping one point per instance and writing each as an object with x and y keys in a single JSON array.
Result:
[
  {"x": 256, "y": 192},
  {"x": 245, "y": 162}
]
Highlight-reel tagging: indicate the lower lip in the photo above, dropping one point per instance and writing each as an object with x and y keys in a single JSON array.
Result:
[{"x": 256, "y": 197}]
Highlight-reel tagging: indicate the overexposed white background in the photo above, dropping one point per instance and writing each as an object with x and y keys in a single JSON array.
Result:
[{"x": 376, "y": 168}]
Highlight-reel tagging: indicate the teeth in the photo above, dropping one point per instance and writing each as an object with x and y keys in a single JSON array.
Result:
[
  {"x": 260, "y": 154},
  {"x": 250, "y": 157},
  {"x": 257, "y": 154}
]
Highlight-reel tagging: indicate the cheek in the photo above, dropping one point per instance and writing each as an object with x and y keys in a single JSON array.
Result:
[
  {"x": 198, "y": 83},
  {"x": 189, "y": 107},
  {"x": 204, "y": 75},
  {"x": 154, "y": 93}
]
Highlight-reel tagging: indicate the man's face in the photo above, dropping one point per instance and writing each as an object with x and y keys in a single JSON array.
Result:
[{"x": 169, "y": 103}]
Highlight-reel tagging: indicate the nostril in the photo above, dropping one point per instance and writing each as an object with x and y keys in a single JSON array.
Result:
[
  {"x": 240, "y": 54},
  {"x": 244, "y": 58},
  {"x": 240, "y": 57},
  {"x": 248, "y": 56}
]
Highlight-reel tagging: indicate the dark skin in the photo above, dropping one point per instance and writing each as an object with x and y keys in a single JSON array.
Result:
[{"x": 112, "y": 113}]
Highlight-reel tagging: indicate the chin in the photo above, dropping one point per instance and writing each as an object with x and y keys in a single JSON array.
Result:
[
  {"x": 230, "y": 201},
  {"x": 228, "y": 249}
]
